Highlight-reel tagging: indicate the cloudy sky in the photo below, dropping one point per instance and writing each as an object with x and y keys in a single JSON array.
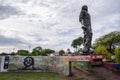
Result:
[{"x": 52, "y": 23}]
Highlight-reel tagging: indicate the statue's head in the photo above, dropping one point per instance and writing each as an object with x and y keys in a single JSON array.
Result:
[{"x": 84, "y": 7}]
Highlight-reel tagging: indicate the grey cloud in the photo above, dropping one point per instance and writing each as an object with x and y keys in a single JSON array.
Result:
[
  {"x": 7, "y": 11},
  {"x": 25, "y": 1},
  {"x": 69, "y": 32},
  {"x": 4, "y": 41},
  {"x": 43, "y": 4},
  {"x": 62, "y": 19},
  {"x": 112, "y": 6}
]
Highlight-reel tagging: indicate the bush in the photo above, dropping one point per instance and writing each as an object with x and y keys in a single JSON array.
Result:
[
  {"x": 23, "y": 52},
  {"x": 34, "y": 53},
  {"x": 102, "y": 50},
  {"x": 117, "y": 55}
]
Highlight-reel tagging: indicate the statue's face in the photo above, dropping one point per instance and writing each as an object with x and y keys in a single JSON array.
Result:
[{"x": 85, "y": 8}]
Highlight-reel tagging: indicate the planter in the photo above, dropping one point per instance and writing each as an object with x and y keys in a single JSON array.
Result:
[
  {"x": 117, "y": 66},
  {"x": 111, "y": 65}
]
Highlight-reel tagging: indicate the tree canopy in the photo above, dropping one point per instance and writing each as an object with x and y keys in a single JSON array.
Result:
[
  {"x": 23, "y": 52},
  {"x": 36, "y": 51},
  {"x": 109, "y": 40},
  {"x": 44, "y": 52},
  {"x": 77, "y": 43},
  {"x": 61, "y": 52}
]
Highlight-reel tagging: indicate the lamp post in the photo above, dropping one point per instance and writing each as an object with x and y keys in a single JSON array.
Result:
[{"x": 29, "y": 47}]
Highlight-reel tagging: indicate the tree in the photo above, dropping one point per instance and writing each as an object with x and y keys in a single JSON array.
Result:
[
  {"x": 61, "y": 52},
  {"x": 80, "y": 41},
  {"x": 109, "y": 40},
  {"x": 3, "y": 53},
  {"x": 23, "y": 52},
  {"x": 38, "y": 48},
  {"x": 44, "y": 52},
  {"x": 76, "y": 43},
  {"x": 36, "y": 51},
  {"x": 13, "y": 53},
  {"x": 117, "y": 55}
]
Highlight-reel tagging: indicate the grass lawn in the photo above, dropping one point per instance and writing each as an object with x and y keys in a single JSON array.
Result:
[{"x": 30, "y": 76}]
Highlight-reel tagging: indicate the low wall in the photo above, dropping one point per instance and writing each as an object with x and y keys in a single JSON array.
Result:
[
  {"x": 57, "y": 64},
  {"x": 45, "y": 63}
]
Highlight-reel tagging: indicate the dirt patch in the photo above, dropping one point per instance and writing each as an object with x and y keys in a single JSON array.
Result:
[
  {"x": 97, "y": 73},
  {"x": 79, "y": 75},
  {"x": 105, "y": 74}
]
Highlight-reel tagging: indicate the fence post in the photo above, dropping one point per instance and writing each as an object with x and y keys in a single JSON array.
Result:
[{"x": 70, "y": 69}]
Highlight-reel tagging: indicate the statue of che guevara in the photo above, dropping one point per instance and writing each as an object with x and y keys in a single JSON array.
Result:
[{"x": 85, "y": 20}]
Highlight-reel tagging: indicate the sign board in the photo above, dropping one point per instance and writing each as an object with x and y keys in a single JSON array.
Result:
[
  {"x": 97, "y": 57},
  {"x": 80, "y": 58},
  {"x": 86, "y": 58}
]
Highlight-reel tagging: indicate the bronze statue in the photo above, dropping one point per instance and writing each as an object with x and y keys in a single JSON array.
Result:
[{"x": 85, "y": 20}]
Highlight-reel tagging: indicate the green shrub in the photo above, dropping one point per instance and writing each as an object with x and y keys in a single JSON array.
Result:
[
  {"x": 102, "y": 50},
  {"x": 23, "y": 52},
  {"x": 117, "y": 55}
]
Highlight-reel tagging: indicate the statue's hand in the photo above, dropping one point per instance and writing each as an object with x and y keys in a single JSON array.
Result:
[{"x": 84, "y": 28}]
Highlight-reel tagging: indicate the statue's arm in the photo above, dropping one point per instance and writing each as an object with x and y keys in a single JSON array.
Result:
[{"x": 81, "y": 16}]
